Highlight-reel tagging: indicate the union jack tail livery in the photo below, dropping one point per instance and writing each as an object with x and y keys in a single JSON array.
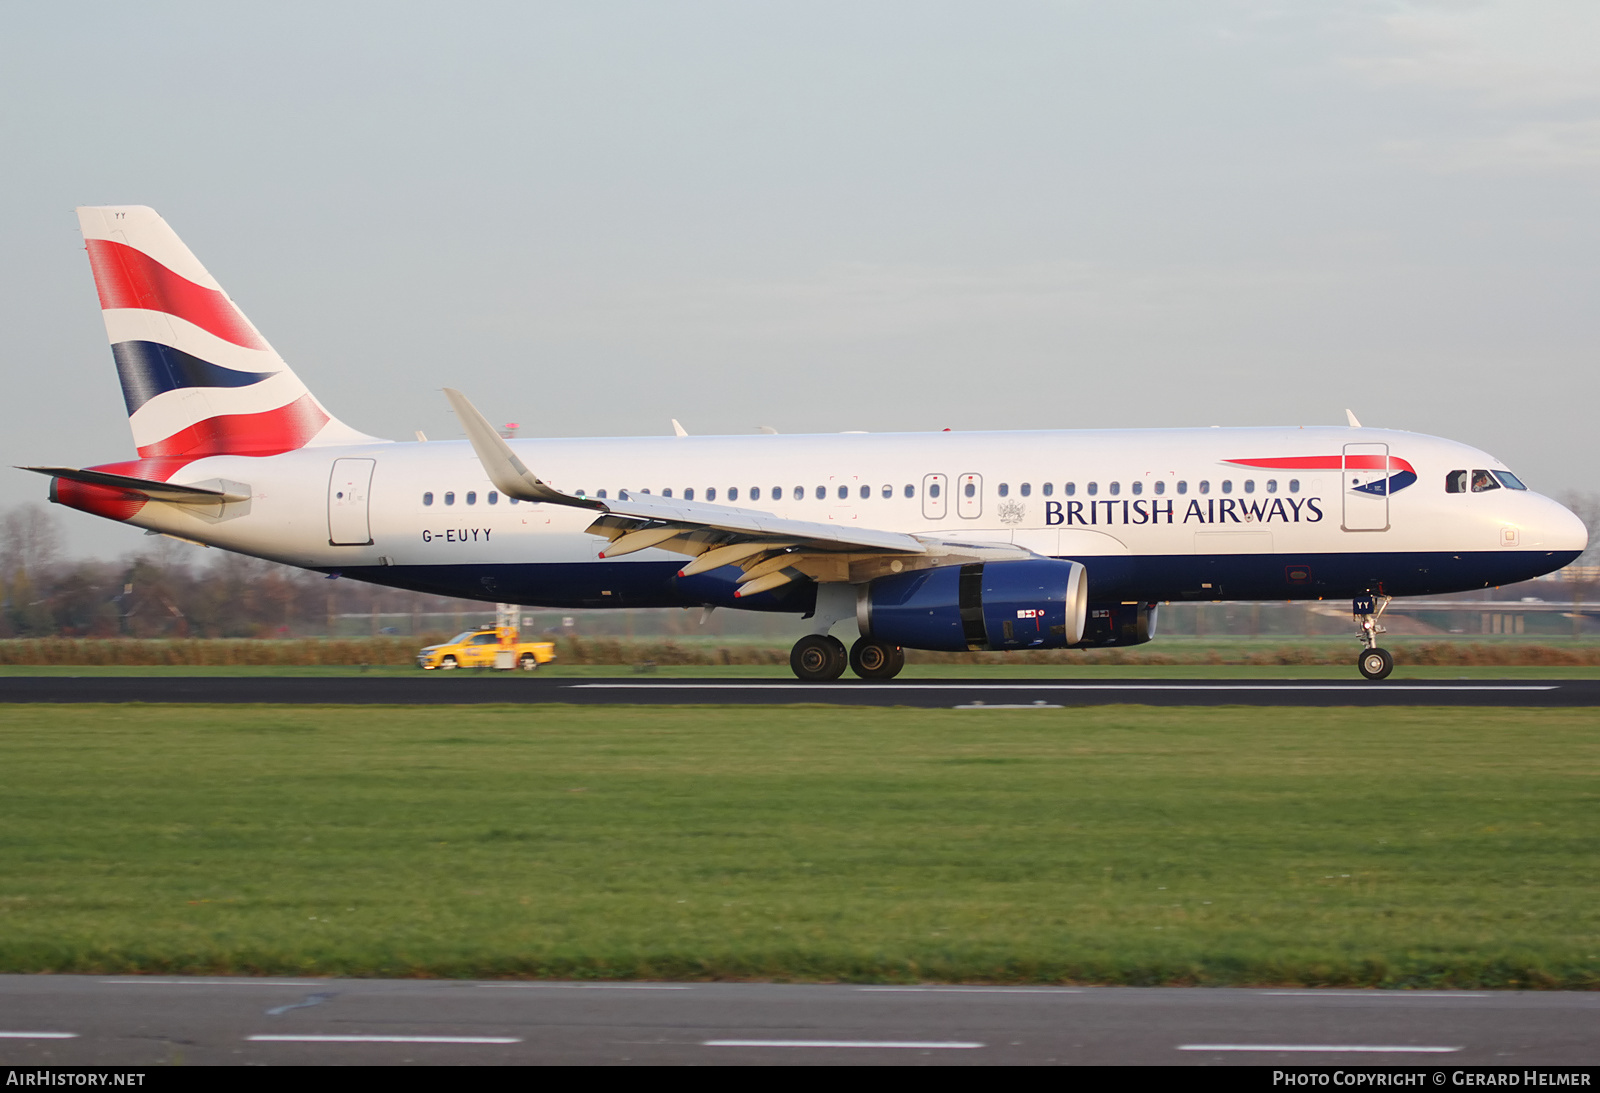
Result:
[{"x": 198, "y": 378}]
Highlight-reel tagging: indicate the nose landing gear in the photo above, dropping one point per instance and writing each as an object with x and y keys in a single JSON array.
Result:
[{"x": 1375, "y": 663}]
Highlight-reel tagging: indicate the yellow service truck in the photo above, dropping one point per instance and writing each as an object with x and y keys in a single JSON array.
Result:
[{"x": 488, "y": 647}]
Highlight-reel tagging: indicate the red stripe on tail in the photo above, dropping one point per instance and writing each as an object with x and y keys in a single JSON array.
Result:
[
  {"x": 129, "y": 278},
  {"x": 269, "y": 433}
]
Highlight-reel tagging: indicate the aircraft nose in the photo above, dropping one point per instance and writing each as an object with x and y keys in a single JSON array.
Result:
[{"x": 1559, "y": 528}]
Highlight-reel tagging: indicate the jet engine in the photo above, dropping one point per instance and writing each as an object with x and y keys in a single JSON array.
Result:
[
  {"x": 1027, "y": 604},
  {"x": 1119, "y": 624}
]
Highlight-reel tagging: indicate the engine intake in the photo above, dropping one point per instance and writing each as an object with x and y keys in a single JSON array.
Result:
[{"x": 1028, "y": 604}]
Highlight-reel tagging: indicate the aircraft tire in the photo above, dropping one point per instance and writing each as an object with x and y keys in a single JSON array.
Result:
[
  {"x": 1376, "y": 663},
  {"x": 871, "y": 659},
  {"x": 818, "y": 658}
]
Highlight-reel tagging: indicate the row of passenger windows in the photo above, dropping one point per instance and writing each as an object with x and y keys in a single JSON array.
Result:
[
  {"x": 1158, "y": 487},
  {"x": 969, "y": 489},
  {"x": 471, "y": 498}
]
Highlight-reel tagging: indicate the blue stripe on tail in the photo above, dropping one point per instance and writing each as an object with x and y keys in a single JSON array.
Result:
[{"x": 148, "y": 369}]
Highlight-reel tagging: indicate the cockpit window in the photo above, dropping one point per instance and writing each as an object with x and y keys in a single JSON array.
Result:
[
  {"x": 1509, "y": 480},
  {"x": 1455, "y": 482},
  {"x": 1483, "y": 481}
]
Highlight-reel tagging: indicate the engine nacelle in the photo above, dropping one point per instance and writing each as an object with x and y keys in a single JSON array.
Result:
[
  {"x": 1026, "y": 604},
  {"x": 1119, "y": 624}
]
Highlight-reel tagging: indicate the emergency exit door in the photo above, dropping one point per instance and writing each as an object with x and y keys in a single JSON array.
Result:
[
  {"x": 349, "y": 487},
  {"x": 1365, "y": 475}
]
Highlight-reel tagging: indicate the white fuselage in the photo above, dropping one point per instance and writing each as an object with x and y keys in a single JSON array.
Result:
[{"x": 1123, "y": 501}]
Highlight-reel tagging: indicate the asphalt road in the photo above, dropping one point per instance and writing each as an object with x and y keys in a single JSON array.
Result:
[
  {"x": 144, "y": 1021},
  {"x": 978, "y": 695}
]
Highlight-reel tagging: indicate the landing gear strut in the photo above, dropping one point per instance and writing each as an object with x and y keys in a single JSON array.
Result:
[
  {"x": 818, "y": 658},
  {"x": 1375, "y": 663}
]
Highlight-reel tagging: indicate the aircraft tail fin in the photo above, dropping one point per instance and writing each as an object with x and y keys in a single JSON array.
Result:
[{"x": 198, "y": 378}]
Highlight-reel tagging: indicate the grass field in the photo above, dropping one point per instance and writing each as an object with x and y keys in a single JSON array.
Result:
[
  {"x": 1408, "y": 847},
  {"x": 775, "y": 671}
]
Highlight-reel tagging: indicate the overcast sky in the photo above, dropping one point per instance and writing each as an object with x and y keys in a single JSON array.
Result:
[{"x": 594, "y": 217}]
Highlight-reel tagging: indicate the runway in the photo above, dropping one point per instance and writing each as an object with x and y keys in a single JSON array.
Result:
[
  {"x": 143, "y": 1021},
  {"x": 967, "y": 694}
]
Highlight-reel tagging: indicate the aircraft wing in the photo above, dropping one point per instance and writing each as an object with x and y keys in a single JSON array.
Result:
[{"x": 770, "y": 549}]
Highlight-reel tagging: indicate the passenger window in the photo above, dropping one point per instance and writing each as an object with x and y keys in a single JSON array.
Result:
[
  {"x": 866, "y": 492},
  {"x": 1048, "y": 488},
  {"x": 514, "y": 501},
  {"x": 888, "y": 492},
  {"x": 450, "y": 497},
  {"x": 822, "y": 493},
  {"x": 911, "y": 491},
  {"x": 933, "y": 490},
  {"x": 755, "y": 493},
  {"x": 1116, "y": 488},
  {"x": 427, "y": 498},
  {"x": 844, "y": 493},
  {"x": 1183, "y": 486},
  {"x": 1026, "y": 489},
  {"x": 1272, "y": 485},
  {"x": 601, "y": 495},
  {"x": 1004, "y": 490},
  {"x": 799, "y": 493},
  {"x": 1249, "y": 485},
  {"x": 1455, "y": 482},
  {"x": 1294, "y": 485},
  {"x": 688, "y": 494},
  {"x": 1070, "y": 488},
  {"x": 1137, "y": 488},
  {"x": 1094, "y": 488},
  {"x": 1161, "y": 487},
  {"x": 733, "y": 494},
  {"x": 494, "y": 496},
  {"x": 1205, "y": 487},
  {"x": 1483, "y": 482},
  {"x": 472, "y": 497},
  {"x": 1509, "y": 480},
  {"x": 1227, "y": 485}
]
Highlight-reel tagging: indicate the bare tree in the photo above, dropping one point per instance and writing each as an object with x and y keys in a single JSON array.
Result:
[{"x": 30, "y": 541}]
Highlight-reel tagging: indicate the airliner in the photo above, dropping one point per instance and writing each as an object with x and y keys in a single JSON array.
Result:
[{"x": 1002, "y": 541}]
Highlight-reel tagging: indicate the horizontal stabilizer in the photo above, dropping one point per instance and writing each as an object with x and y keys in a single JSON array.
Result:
[{"x": 145, "y": 487}]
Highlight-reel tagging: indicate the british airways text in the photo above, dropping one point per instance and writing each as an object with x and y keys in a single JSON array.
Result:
[{"x": 1212, "y": 510}]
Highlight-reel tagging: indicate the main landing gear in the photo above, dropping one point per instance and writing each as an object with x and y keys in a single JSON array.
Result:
[
  {"x": 819, "y": 658},
  {"x": 1374, "y": 663}
]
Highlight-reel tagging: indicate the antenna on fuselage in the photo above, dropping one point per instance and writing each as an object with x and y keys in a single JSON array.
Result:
[{"x": 1350, "y": 416}]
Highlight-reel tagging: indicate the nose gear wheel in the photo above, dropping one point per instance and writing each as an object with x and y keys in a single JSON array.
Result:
[{"x": 1374, "y": 663}]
